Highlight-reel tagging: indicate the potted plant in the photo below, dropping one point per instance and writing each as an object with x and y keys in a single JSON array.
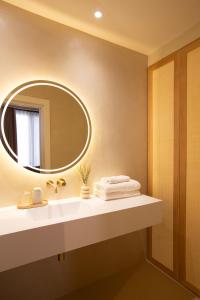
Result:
[{"x": 84, "y": 173}]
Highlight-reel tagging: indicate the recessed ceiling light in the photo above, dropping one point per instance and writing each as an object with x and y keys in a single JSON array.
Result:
[{"x": 98, "y": 14}]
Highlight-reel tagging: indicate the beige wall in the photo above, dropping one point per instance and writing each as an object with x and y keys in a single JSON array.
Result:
[{"x": 111, "y": 81}]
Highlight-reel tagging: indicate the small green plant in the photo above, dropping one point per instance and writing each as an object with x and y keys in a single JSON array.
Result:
[{"x": 84, "y": 172}]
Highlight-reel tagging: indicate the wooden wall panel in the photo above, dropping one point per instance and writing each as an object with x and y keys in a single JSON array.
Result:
[
  {"x": 162, "y": 165},
  {"x": 192, "y": 253},
  {"x": 174, "y": 163}
]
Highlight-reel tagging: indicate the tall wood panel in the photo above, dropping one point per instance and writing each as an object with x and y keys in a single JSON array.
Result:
[
  {"x": 192, "y": 222},
  {"x": 161, "y": 158}
]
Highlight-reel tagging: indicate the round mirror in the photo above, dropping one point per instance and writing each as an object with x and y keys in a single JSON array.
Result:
[{"x": 45, "y": 127}]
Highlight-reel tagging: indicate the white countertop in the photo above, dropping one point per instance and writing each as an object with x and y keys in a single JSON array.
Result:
[
  {"x": 28, "y": 235},
  {"x": 14, "y": 220}
]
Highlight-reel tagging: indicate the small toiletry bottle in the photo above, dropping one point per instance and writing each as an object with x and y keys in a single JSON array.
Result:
[
  {"x": 36, "y": 195},
  {"x": 26, "y": 200}
]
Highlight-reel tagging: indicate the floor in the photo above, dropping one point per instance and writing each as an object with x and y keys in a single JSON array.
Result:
[{"x": 144, "y": 282}]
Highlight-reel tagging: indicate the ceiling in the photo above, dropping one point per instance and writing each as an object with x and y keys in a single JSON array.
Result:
[{"x": 141, "y": 25}]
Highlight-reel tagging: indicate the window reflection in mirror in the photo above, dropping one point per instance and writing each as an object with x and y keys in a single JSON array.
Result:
[{"x": 22, "y": 130}]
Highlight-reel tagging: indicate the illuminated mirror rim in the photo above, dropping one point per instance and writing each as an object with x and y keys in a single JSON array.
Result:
[{"x": 26, "y": 85}]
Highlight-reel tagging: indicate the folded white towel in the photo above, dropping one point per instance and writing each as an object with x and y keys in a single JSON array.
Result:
[
  {"x": 115, "y": 179},
  {"x": 131, "y": 185},
  {"x": 115, "y": 195}
]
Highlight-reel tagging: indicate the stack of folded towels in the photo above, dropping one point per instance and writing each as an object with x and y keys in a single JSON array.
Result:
[{"x": 116, "y": 187}]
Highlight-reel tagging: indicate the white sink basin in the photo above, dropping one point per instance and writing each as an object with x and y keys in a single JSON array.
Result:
[{"x": 57, "y": 209}]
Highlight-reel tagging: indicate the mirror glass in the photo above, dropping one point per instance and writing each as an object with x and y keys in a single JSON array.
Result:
[{"x": 45, "y": 127}]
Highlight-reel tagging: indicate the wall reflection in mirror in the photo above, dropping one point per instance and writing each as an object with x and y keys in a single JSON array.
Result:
[{"x": 45, "y": 127}]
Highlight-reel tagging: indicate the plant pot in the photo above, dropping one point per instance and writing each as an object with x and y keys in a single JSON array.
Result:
[{"x": 85, "y": 192}]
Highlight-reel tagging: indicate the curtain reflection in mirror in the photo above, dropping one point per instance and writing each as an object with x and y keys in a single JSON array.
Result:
[{"x": 10, "y": 128}]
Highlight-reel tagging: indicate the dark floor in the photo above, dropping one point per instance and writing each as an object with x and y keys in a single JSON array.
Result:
[{"x": 142, "y": 283}]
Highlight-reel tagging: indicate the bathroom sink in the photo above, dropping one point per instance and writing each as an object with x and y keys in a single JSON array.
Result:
[
  {"x": 57, "y": 209},
  {"x": 15, "y": 220}
]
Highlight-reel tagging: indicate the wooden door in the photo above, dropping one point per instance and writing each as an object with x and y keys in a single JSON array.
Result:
[
  {"x": 190, "y": 174},
  {"x": 161, "y": 174}
]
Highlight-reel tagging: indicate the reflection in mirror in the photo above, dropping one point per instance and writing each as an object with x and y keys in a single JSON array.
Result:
[{"x": 45, "y": 127}]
